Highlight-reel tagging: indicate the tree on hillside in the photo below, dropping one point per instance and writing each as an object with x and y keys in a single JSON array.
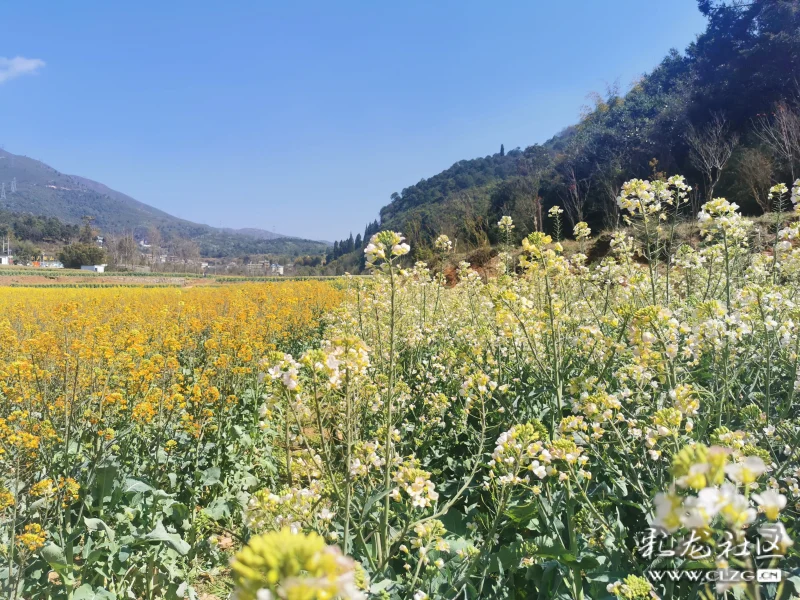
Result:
[
  {"x": 25, "y": 251},
  {"x": 711, "y": 148},
  {"x": 127, "y": 250},
  {"x": 780, "y": 132},
  {"x": 532, "y": 166},
  {"x": 413, "y": 232},
  {"x": 87, "y": 233},
  {"x": 76, "y": 255},
  {"x": 471, "y": 227},
  {"x": 574, "y": 172},
  {"x": 519, "y": 199},
  {"x": 155, "y": 241},
  {"x": 755, "y": 172},
  {"x": 36, "y": 228},
  {"x": 371, "y": 229},
  {"x": 745, "y": 65},
  {"x": 747, "y": 58},
  {"x": 187, "y": 251},
  {"x": 610, "y": 176},
  {"x": 574, "y": 190}
]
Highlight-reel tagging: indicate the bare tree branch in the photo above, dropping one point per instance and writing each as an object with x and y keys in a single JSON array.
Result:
[
  {"x": 755, "y": 172},
  {"x": 780, "y": 132},
  {"x": 574, "y": 193},
  {"x": 710, "y": 150}
]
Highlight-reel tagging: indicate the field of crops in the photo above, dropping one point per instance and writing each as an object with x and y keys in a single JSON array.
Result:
[
  {"x": 129, "y": 427},
  {"x": 564, "y": 430},
  {"x": 62, "y": 278}
]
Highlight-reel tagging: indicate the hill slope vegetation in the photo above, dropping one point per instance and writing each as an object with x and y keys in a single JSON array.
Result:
[{"x": 723, "y": 113}]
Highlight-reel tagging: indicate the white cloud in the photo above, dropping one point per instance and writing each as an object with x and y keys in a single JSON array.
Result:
[{"x": 19, "y": 65}]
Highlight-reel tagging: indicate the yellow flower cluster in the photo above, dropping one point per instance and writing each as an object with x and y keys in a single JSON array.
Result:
[
  {"x": 142, "y": 378},
  {"x": 632, "y": 587},
  {"x": 32, "y": 537},
  {"x": 292, "y": 508},
  {"x": 416, "y": 483},
  {"x": 293, "y": 566},
  {"x": 716, "y": 479}
]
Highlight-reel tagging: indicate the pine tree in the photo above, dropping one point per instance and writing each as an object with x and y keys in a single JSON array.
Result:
[
  {"x": 502, "y": 150},
  {"x": 372, "y": 229}
]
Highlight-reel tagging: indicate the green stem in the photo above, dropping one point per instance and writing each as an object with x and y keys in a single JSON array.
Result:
[{"x": 387, "y": 479}]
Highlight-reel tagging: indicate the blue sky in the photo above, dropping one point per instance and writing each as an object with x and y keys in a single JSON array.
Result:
[{"x": 303, "y": 117}]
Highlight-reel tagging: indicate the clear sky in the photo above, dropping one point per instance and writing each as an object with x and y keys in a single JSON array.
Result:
[{"x": 303, "y": 117}]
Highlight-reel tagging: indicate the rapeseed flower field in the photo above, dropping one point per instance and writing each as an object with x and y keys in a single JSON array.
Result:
[
  {"x": 625, "y": 428},
  {"x": 122, "y": 413}
]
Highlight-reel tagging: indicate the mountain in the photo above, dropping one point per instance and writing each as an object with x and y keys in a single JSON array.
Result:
[
  {"x": 732, "y": 91},
  {"x": 39, "y": 189},
  {"x": 259, "y": 234}
]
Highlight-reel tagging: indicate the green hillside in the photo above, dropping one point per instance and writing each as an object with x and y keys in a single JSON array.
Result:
[
  {"x": 730, "y": 86},
  {"x": 42, "y": 190}
]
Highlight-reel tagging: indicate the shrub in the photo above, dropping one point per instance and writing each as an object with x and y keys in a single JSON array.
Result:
[{"x": 76, "y": 255}]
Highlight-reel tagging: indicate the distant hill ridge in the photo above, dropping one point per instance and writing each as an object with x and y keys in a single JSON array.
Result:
[{"x": 42, "y": 190}]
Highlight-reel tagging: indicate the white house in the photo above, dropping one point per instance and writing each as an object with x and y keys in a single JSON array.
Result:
[
  {"x": 95, "y": 268},
  {"x": 5, "y": 260}
]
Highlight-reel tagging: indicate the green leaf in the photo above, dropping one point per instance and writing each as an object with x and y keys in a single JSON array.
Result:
[
  {"x": 38, "y": 504},
  {"x": 160, "y": 534},
  {"x": 619, "y": 528},
  {"x": 552, "y": 547},
  {"x": 85, "y": 592},
  {"x": 185, "y": 590},
  {"x": 793, "y": 587},
  {"x": 248, "y": 481},
  {"x": 242, "y": 436},
  {"x": 210, "y": 476},
  {"x": 177, "y": 511},
  {"x": 97, "y": 524},
  {"x": 585, "y": 562},
  {"x": 378, "y": 587},
  {"x": 104, "y": 481},
  {"x": 96, "y": 556},
  {"x": 372, "y": 500},
  {"x": 218, "y": 509},
  {"x": 134, "y": 486},
  {"x": 507, "y": 557},
  {"x": 607, "y": 576},
  {"x": 55, "y": 556},
  {"x": 523, "y": 514}
]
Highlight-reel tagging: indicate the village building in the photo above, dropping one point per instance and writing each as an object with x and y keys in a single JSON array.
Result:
[{"x": 94, "y": 268}]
